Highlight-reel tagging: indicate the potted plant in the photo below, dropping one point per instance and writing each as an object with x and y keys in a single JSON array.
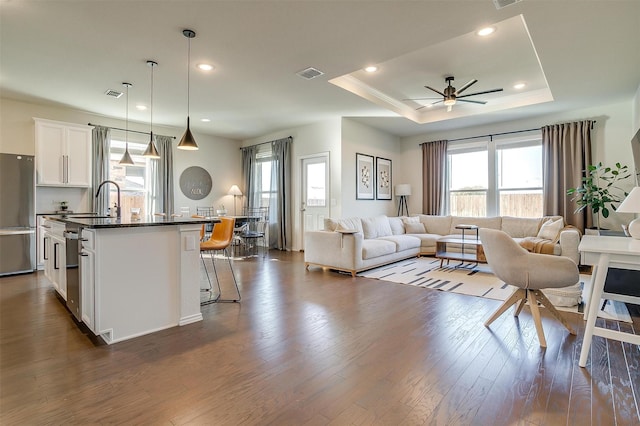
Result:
[{"x": 595, "y": 191}]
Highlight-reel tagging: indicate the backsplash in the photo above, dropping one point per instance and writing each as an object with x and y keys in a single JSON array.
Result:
[{"x": 48, "y": 199}]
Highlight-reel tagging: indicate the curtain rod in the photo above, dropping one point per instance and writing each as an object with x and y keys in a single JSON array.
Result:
[
  {"x": 125, "y": 130},
  {"x": 263, "y": 143},
  {"x": 497, "y": 134}
]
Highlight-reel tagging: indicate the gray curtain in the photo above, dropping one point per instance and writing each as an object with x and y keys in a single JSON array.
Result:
[
  {"x": 248, "y": 169},
  {"x": 162, "y": 198},
  {"x": 280, "y": 223},
  {"x": 101, "y": 140},
  {"x": 434, "y": 176},
  {"x": 566, "y": 153}
]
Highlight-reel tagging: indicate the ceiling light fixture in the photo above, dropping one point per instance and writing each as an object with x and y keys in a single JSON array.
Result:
[
  {"x": 188, "y": 142},
  {"x": 519, "y": 86},
  {"x": 371, "y": 69},
  {"x": 205, "y": 67},
  {"x": 151, "y": 150},
  {"x": 486, "y": 31},
  {"x": 205, "y": 120},
  {"x": 141, "y": 107},
  {"x": 126, "y": 157}
]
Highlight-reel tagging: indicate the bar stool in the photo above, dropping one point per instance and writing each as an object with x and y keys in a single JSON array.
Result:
[{"x": 220, "y": 240}]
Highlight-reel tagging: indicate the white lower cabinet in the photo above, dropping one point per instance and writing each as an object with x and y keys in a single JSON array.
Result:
[{"x": 87, "y": 280}]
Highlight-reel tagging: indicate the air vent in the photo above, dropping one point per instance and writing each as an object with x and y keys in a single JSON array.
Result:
[
  {"x": 309, "y": 73},
  {"x": 113, "y": 93},
  {"x": 504, "y": 3}
]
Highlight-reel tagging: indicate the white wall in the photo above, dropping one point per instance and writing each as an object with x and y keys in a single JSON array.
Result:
[
  {"x": 363, "y": 139},
  {"x": 219, "y": 156},
  {"x": 611, "y": 138},
  {"x": 636, "y": 112},
  {"x": 312, "y": 139}
]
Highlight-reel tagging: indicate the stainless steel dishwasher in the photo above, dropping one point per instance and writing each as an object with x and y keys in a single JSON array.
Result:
[{"x": 72, "y": 234}]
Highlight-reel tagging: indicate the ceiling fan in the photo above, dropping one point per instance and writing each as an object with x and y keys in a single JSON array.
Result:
[{"x": 451, "y": 95}]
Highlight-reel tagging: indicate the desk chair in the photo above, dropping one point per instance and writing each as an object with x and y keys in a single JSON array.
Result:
[
  {"x": 220, "y": 240},
  {"x": 530, "y": 272}
]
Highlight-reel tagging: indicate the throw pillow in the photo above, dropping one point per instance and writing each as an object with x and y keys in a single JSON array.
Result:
[
  {"x": 414, "y": 228},
  {"x": 550, "y": 230},
  {"x": 374, "y": 227},
  {"x": 413, "y": 219}
]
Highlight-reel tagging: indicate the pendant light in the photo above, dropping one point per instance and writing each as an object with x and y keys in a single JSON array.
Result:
[
  {"x": 126, "y": 157},
  {"x": 188, "y": 142},
  {"x": 151, "y": 150}
]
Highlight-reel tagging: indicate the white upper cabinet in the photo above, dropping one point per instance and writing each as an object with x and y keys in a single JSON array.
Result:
[{"x": 63, "y": 153}]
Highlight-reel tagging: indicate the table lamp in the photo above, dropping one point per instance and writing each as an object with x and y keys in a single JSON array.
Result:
[
  {"x": 631, "y": 204},
  {"x": 403, "y": 190},
  {"x": 235, "y": 191}
]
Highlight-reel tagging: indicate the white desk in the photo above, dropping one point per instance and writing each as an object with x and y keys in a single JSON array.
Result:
[{"x": 604, "y": 252}]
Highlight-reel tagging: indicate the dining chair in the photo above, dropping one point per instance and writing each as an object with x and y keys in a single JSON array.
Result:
[
  {"x": 220, "y": 240},
  {"x": 256, "y": 229}
]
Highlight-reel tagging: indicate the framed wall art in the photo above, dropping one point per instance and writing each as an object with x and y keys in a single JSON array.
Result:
[
  {"x": 364, "y": 177},
  {"x": 383, "y": 179}
]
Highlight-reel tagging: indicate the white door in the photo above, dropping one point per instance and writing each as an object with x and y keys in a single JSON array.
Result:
[{"x": 315, "y": 192}]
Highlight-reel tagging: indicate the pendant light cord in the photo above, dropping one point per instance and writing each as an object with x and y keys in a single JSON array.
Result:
[
  {"x": 188, "y": 76},
  {"x": 151, "y": 106},
  {"x": 126, "y": 132}
]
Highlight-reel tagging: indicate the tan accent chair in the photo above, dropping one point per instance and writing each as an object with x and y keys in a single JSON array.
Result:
[{"x": 530, "y": 272}]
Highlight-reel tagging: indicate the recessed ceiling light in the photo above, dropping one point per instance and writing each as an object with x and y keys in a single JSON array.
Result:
[
  {"x": 205, "y": 67},
  {"x": 519, "y": 86},
  {"x": 205, "y": 120},
  {"x": 141, "y": 107},
  {"x": 371, "y": 69},
  {"x": 486, "y": 31}
]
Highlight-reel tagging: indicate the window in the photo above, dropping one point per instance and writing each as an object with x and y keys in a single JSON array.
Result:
[
  {"x": 133, "y": 180},
  {"x": 262, "y": 176},
  {"x": 496, "y": 176}
]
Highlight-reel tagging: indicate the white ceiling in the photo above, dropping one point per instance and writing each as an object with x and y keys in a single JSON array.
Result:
[{"x": 579, "y": 53}]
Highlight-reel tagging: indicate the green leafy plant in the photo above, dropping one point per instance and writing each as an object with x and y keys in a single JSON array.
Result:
[{"x": 595, "y": 191}]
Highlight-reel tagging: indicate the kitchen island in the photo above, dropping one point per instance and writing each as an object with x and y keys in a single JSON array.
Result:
[{"x": 135, "y": 277}]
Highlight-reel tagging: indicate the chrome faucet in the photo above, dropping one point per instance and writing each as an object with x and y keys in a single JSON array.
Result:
[{"x": 117, "y": 189}]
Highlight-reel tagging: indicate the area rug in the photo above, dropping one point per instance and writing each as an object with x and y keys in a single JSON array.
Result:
[{"x": 473, "y": 280}]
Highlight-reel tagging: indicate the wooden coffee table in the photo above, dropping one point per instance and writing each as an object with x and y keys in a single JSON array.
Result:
[{"x": 442, "y": 253}]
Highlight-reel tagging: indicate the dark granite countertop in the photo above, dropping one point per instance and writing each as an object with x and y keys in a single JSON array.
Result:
[{"x": 125, "y": 222}]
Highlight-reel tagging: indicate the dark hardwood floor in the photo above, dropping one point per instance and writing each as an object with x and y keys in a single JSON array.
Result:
[{"x": 312, "y": 348}]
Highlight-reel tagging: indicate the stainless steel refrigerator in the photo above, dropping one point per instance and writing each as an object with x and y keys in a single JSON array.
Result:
[{"x": 17, "y": 214}]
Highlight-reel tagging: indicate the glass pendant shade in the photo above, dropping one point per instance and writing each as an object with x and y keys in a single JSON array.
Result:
[
  {"x": 126, "y": 157},
  {"x": 188, "y": 142},
  {"x": 151, "y": 151}
]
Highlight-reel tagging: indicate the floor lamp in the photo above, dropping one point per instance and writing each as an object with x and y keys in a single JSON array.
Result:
[
  {"x": 235, "y": 191},
  {"x": 403, "y": 190}
]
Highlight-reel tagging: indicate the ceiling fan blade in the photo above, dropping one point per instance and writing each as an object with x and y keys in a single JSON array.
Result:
[
  {"x": 481, "y": 93},
  {"x": 473, "y": 102},
  {"x": 419, "y": 99},
  {"x": 437, "y": 91},
  {"x": 431, "y": 104},
  {"x": 466, "y": 86}
]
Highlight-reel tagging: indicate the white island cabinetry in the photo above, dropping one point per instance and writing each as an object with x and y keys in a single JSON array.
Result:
[
  {"x": 138, "y": 280},
  {"x": 55, "y": 257}
]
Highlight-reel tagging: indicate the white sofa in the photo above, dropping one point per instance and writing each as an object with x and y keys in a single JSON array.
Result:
[{"x": 357, "y": 244}]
